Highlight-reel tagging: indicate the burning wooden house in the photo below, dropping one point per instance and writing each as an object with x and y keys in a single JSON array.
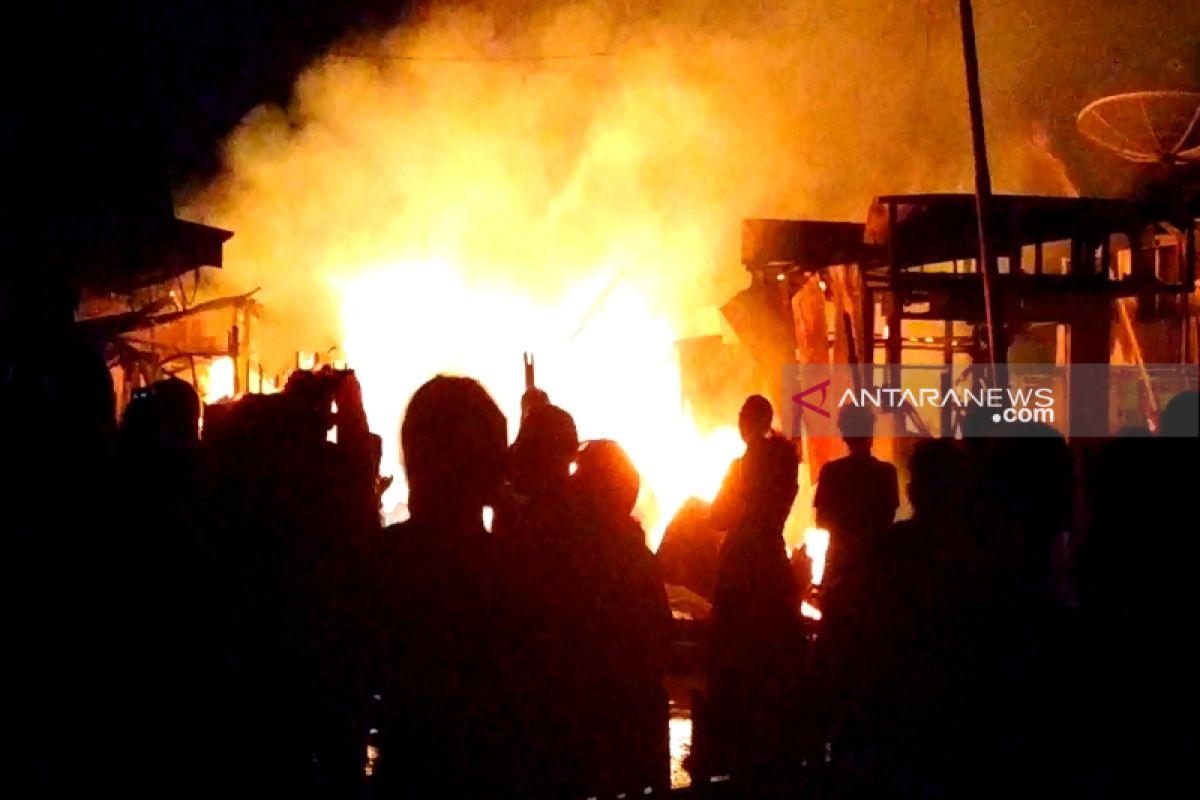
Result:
[
  {"x": 90, "y": 222},
  {"x": 139, "y": 304},
  {"x": 1081, "y": 280},
  {"x": 1075, "y": 280}
]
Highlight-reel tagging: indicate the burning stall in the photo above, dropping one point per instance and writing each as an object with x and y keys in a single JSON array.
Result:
[
  {"x": 140, "y": 304},
  {"x": 1080, "y": 280}
]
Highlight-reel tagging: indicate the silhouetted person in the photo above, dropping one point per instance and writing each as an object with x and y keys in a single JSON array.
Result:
[
  {"x": 540, "y": 465},
  {"x": 158, "y": 452},
  {"x": 754, "y": 425},
  {"x": 755, "y": 634},
  {"x": 631, "y": 621},
  {"x": 165, "y": 588},
  {"x": 856, "y": 501},
  {"x": 1137, "y": 593},
  {"x": 856, "y": 497},
  {"x": 899, "y": 657},
  {"x": 289, "y": 515},
  {"x": 560, "y": 582},
  {"x": 937, "y": 492},
  {"x": 531, "y": 399},
  {"x": 1026, "y": 637},
  {"x": 542, "y": 455},
  {"x": 57, "y": 424},
  {"x": 445, "y": 645},
  {"x": 691, "y": 548},
  {"x": 1181, "y": 417}
]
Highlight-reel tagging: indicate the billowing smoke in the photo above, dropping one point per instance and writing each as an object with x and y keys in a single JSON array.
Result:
[{"x": 528, "y": 142}]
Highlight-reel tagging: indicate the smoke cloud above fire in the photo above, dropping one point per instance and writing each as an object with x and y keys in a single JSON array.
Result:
[
  {"x": 518, "y": 139},
  {"x": 569, "y": 178}
]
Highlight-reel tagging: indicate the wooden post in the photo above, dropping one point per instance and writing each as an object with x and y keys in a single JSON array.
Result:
[
  {"x": 997, "y": 347},
  {"x": 1087, "y": 387},
  {"x": 1187, "y": 352},
  {"x": 1189, "y": 266},
  {"x": 868, "y": 334},
  {"x": 246, "y": 351},
  {"x": 235, "y": 355},
  {"x": 947, "y": 420},
  {"x": 893, "y": 345}
]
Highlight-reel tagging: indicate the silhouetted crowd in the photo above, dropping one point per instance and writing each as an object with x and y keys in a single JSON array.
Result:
[{"x": 223, "y": 614}]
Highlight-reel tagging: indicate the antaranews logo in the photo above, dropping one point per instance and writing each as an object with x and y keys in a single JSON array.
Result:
[
  {"x": 811, "y": 393},
  {"x": 801, "y": 398},
  {"x": 1035, "y": 399},
  {"x": 1009, "y": 404}
]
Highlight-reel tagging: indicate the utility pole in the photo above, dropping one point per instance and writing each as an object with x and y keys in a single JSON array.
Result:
[{"x": 997, "y": 345}]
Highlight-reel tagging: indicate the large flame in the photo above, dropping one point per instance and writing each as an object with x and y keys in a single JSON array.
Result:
[
  {"x": 816, "y": 545},
  {"x": 568, "y": 178},
  {"x": 217, "y": 379},
  {"x": 602, "y": 352}
]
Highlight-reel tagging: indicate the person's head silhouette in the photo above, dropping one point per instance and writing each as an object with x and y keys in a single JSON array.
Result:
[
  {"x": 140, "y": 424},
  {"x": 1181, "y": 417},
  {"x": 533, "y": 398},
  {"x": 936, "y": 477},
  {"x": 754, "y": 420},
  {"x": 607, "y": 479},
  {"x": 179, "y": 412},
  {"x": 454, "y": 442},
  {"x": 857, "y": 426},
  {"x": 542, "y": 454}
]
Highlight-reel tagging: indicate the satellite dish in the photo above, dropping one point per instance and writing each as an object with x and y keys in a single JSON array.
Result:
[{"x": 1146, "y": 127}]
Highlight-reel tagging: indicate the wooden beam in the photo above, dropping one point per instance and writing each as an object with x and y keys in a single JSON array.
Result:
[
  {"x": 868, "y": 334},
  {"x": 893, "y": 347}
]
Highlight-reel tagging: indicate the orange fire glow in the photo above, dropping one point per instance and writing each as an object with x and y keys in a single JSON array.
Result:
[
  {"x": 568, "y": 179},
  {"x": 810, "y": 611},
  {"x": 816, "y": 545},
  {"x": 619, "y": 376},
  {"x": 217, "y": 380}
]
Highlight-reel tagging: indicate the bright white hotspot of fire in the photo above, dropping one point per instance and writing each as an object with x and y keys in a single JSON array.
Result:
[{"x": 613, "y": 366}]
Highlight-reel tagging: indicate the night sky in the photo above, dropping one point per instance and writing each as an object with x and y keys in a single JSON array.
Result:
[{"x": 163, "y": 81}]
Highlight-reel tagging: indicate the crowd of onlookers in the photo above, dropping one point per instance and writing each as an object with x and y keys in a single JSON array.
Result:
[{"x": 223, "y": 614}]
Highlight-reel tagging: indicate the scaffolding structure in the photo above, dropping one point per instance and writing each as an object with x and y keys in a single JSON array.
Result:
[{"x": 1067, "y": 262}]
